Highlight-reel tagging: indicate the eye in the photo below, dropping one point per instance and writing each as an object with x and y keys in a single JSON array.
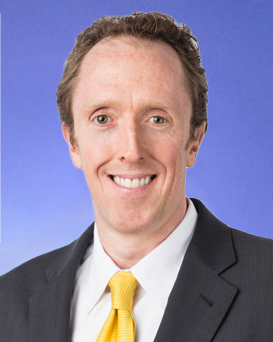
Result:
[
  {"x": 102, "y": 119},
  {"x": 157, "y": 119}
]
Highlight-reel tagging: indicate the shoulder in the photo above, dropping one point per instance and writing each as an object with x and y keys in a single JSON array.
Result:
[
  {"x": 251, "y": 245},
  {"x": 29, "y": 276},
  {"x": 34, "y": 273},
  {"x": 16, "y": 288},
  {"x": 217, "y": 234},
  {"x": 253, "y": 251},
  {"x": 253, "y": 268}
]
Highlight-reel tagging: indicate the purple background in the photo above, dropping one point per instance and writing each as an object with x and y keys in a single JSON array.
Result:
[{"x": 45, "y": 200}]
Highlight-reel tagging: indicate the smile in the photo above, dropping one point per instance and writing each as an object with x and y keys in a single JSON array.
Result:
[{"x": 132, "y": 183}]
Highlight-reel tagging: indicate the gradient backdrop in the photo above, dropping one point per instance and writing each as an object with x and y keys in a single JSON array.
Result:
[{"x": 45, "y": 200}]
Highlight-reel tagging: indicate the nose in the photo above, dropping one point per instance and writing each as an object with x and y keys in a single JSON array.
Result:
[{"x": 131, "y": 147}]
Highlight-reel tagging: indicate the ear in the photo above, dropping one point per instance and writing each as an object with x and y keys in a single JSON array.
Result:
[
  {"x": 74, "y": 151},
  {"x": 195, "y": 145}
]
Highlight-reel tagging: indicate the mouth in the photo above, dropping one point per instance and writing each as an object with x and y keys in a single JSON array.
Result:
[{"x": 131, "y": 183}]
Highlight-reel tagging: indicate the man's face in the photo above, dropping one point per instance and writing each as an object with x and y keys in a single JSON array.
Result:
[{"x": 132, "y": 122}]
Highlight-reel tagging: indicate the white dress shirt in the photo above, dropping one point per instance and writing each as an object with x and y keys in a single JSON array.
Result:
[{"x": 156, "y": 274}]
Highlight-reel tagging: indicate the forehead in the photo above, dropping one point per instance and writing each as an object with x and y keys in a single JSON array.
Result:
[
  {"x": 128, "y": 64},
  {"x": 135, "y": 50}
]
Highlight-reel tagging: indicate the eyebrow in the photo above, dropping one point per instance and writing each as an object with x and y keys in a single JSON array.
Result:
[{"x": 145, "y": 105}]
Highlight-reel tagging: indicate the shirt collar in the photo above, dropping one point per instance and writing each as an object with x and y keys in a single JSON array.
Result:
[
  {"x": 102, "y": 269},
  {"x": 156, "y": 272}
]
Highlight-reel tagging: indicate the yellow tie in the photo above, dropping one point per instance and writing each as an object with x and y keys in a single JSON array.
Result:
[{"x": 120, "y": 324}]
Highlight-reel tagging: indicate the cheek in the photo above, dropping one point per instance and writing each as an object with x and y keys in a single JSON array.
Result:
[
  {"x": 95, "y": 151},
  {"x": 170, "y": 143},
  {"x": 169, "y": 152}
]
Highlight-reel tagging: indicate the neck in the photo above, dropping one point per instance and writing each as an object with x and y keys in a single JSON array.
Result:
[{"x": 127, "y": 249}]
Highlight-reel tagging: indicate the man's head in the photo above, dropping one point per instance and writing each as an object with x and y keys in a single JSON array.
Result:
[
  {"x": 133, "y": 105},
  {"x": 151, "y": 26}
]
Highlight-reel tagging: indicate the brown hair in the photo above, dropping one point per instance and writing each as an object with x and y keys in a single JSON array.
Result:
[{"x": 151, "y": 26}]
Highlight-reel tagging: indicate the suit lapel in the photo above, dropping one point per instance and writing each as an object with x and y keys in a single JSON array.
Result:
[
  {"x": 200, "y": 297},
  {"x": 49, "y": 309},
  {"x": 197, "y": 304}
]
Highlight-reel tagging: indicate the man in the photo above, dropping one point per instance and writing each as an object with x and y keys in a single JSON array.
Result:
[{"x": 155, "y": 265}]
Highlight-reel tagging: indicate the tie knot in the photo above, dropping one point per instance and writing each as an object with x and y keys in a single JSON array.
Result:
[{"x": 123, "y": 286}]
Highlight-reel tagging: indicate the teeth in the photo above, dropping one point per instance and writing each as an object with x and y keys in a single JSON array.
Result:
[
  {"x": 134, "y": 183},
  {"x": 122, "y": 182},
  {"x": 147, "y": 180},
  {"x": 117, "y": 180},
  {"x": 127, "y": 183}
]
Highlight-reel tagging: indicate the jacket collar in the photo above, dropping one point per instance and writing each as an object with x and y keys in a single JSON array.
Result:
[
  {"x": 70, "y": 253},
  {"x": 200, "y": 298},
  {"x": 212, "y": 241},
  {"x": 49, "y": 309}
]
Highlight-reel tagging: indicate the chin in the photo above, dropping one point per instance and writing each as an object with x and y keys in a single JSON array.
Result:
[{"x": 132, "y": 223}]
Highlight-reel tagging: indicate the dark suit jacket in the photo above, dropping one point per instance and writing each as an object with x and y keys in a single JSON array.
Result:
[{"x": 223, "y": 292}]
